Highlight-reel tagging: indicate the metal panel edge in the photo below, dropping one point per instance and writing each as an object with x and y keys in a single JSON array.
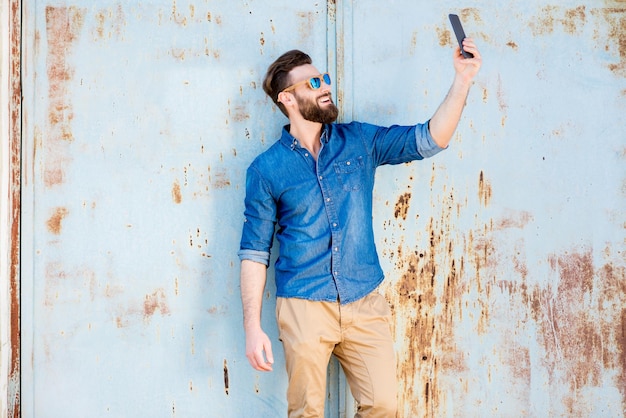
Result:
[{"x": 10, "y": 179}]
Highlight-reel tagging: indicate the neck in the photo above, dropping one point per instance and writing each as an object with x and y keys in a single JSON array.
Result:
[{"x": 308, "y": 133}]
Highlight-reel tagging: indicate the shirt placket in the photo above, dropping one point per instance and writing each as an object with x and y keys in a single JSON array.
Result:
[{"x": 333, "y": 219}]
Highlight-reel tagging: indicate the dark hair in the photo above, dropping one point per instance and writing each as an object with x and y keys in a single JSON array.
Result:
[{"x": 277, "y": 76}]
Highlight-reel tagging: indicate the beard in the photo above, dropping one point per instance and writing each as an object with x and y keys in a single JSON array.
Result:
[{"x": 311, "y": 111}]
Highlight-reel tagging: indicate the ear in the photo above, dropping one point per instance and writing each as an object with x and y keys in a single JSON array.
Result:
[{"x": 285, "y": 98}]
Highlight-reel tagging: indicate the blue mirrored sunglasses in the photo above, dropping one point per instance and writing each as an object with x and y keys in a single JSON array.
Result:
[{"x": 313, "y": 82}]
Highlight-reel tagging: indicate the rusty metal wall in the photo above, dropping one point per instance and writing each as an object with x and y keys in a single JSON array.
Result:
[
  {"x": 505, "y": 255},
  {"x": 141, "y": 118}
]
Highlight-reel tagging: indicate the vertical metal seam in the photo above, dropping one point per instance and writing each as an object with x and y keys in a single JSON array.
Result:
[
  {"x": 340, "y": 55},
  {"x": 15, "y": 149},
  {"x": 339, "y": 43}
]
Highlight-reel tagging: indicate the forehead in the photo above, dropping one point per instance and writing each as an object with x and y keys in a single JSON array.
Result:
[{"x": 303, "y": 72}]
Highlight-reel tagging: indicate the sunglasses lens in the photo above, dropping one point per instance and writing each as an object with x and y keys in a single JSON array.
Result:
[
  {"x": 315, "y": 82},
  {"x": 326, "y": 79}
]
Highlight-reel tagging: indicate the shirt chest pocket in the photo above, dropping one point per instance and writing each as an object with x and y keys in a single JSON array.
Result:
[{"x": 351, "y": 173}]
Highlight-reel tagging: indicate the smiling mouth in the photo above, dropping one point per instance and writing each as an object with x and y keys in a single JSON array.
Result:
[{"x": 326, "y": 99}]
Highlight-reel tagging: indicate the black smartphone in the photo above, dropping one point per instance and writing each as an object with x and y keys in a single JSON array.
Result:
[{"x": 460, "y": 34}]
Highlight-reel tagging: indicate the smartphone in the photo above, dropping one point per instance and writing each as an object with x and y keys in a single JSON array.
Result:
[{"x": 460, "y": 34}]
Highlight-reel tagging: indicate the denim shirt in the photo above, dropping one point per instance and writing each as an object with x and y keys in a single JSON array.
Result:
[{"x": 323, "y": 208}]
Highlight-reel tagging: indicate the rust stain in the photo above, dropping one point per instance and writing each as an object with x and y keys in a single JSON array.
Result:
[
  {"x": 580, "y": 316},
  {"x": 13, "y": 34},
  {"x": 544, "y": 23},
  {"x": 147, "y": 308},
  {"x": 110, "y": 23},
  {"x": 514, "y": 220},
  {"x": 426, "y": 299},
  {"x": 582, "y": 322},
  {"x": 68, "y": 285},
  {"x": 615, "y": 18},
  {"x": 414, "y": 38},
  {"x": 621, "y": 343},
  {"x": 574, "y": 18},
  {"x": 226, "y": 378},
  {"x": 402, "y": 206},
  {"x": 63, "y": 26},
  {"x": 469, "y": 14},
  {"x": 484, "y": 190},
  {"x": 502, "y": 104},
  {"x": 176, "y": 16},
  {"x": 155, "y": 301},
  {"x": 218, "y": 310},
  {"x": 120, "y": 323},
  {"x": 220, "y": 180},
  {"x": 306, "y": 23},
  {"x": 177, "y": 196},
  {"x": 512, "y": 45},
  {"x": 55, "y": 221},
  {"x": 53, "y": 176},
  {"x": 240, "y": 114},
  {"x": 444, "y": 36}
]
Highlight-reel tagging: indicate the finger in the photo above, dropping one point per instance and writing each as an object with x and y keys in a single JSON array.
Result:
[
  {"x": 268, "y": 353},
  {"x": 469, "y": 41},
  {"x": 262, "y": 365},
  {"x": 257, "y": 360},
  {"x": 470, "y": 46}
]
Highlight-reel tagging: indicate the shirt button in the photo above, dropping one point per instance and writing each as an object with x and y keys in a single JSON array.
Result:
[
  {"x": 306, "y": 154},
  {"x": 336, "y": 249},
  {"x": 328, "y": 199},
  {"x": 321, "y": 177},
  {"x": 348, "y": 163},
  {"x": 335, "y": 224}
]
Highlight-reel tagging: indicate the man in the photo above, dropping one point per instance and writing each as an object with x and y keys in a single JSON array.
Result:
[{"x": 317, "y": 183}]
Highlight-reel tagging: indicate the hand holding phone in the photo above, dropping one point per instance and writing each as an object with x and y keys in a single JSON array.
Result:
[{"x": 460, "y": 34}]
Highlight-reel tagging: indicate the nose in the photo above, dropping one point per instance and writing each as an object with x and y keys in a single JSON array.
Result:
[{"x": 325, "y": 87}]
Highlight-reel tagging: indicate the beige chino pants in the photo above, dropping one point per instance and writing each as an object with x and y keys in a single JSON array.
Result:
[{"x": 359, "y": 335}]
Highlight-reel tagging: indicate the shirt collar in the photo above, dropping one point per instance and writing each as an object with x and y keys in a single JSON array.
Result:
[{"x": 292, "y": 142}]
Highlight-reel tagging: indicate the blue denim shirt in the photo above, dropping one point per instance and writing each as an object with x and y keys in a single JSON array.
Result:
[{"x": 324, "y": 208}]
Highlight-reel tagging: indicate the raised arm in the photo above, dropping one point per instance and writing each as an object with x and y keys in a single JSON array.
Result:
[
  {"x": 446, "y": 118},
  {"x": 258, "y": 345}
]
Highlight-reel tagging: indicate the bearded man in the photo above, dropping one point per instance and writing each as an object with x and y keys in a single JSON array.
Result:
[{"x": 316, "y": 183}]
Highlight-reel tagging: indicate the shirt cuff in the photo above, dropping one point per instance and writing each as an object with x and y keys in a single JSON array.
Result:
[
  {"x": 426, "y": 145},
  {"x": 262, "y": 257}
]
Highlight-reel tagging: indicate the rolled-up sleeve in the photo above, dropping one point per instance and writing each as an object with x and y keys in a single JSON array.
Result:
[
  {"x": 426, "y": 145},
  {"x": 260, "y": 219}
]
